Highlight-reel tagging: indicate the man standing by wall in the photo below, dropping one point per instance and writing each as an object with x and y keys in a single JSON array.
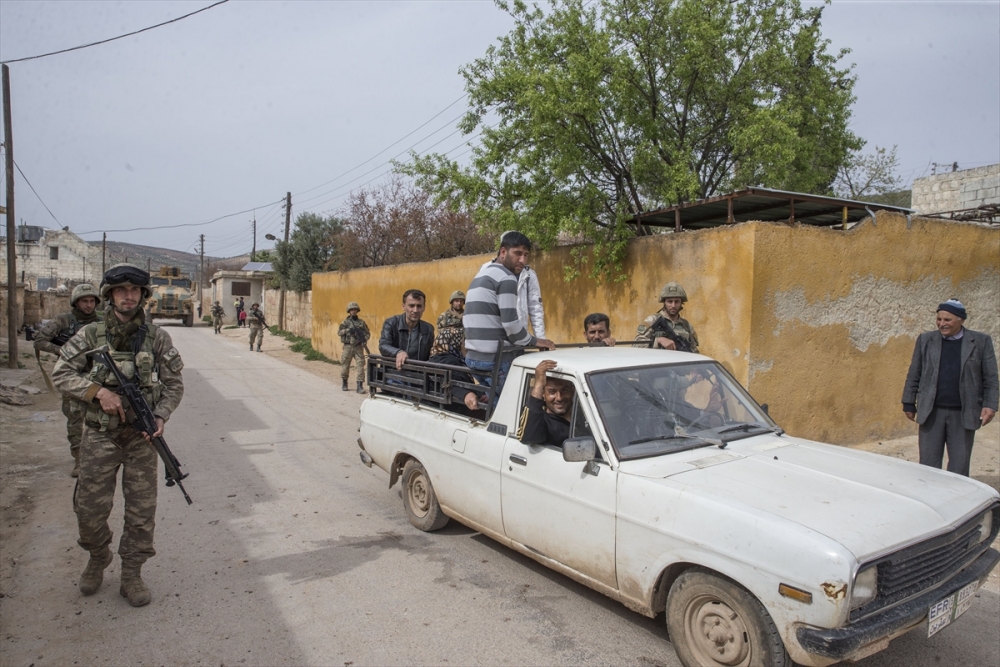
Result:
[
  {"x": 453, "y": 315},
  {"x": 257, "y": 324},
  {"x": 407, "y": 336},
  {"x": 109, "y": 443},
  {"x": 951, "y": 389},
  {"x": 491, "y": 319},
  {"x": 354, "y": 335},
  {"x": 673, "y": 297},
  {"x": 51, "y": 337}
]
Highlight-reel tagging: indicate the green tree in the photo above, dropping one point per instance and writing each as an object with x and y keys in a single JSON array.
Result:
[
  {"x": 310, "y": 248},
  {"x": 864, "y": 176},
  {"x": 589, "y": 113}
]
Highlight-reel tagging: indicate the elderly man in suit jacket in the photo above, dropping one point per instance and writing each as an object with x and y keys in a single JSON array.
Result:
[{"x": 951, "y": 388}]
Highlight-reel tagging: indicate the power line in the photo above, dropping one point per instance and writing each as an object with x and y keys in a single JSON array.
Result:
[
  {"x": 186, "y": 224},
  {"x": 111, "y": 39},
  {"x": 424, "y": 124},
  {"x": 36, "y": 193}
]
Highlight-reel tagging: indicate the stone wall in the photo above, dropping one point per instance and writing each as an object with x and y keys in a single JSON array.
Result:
[
  {"x": 818, "y": 323},
  {"x": 298, "y": 311},
  {"x": 18, "y": 307},
  {"x": 40, "y": 306},
  {"x": 957, "y": 190},
  {"x": 76, "y": 261}
]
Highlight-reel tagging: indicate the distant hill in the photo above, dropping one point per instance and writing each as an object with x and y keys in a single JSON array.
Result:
[{"x": 187, "y": 262}]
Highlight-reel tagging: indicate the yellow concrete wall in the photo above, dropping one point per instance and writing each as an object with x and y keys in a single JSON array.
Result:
[
  {"x": 817, "y": 323},
  {"x": 713, "y": 265},
  {"x": 835, "y": 316}
]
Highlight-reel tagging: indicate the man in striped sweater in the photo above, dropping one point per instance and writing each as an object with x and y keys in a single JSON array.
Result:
[{"x": 491, "y": 317}]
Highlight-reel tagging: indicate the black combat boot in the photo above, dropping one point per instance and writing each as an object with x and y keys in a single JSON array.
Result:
[
  {"x": 361, "y": 387},
  {"x": 251, "y": 347},
  {"x": 344, "y": 388}
]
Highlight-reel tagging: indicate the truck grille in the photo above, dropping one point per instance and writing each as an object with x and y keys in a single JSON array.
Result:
[
  {"x": 169, "y": 302},
  {"x": 915, "y": 569}
]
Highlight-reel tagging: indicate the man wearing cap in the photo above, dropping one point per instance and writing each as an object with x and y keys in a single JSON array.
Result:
[
  {"x": 52, "y": 336},
  {"x": 453, "y": 316},
  {"x": 673, "y": 297},
  {"x": 951, "y": 389},
  {"x": 354, "y": 335},
  {"x": 145, "y": 352}
]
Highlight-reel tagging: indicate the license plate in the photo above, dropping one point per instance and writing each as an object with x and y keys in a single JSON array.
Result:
[{"x": 944, "y": 612}]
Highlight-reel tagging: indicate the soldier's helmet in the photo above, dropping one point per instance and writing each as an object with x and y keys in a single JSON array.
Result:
[
  {"x": 125, "y": 274},
  {"x": 353, "y": 306},
  {"x": 457, "y": 294},
  {"x": 673, "y": 291},
  {"x": 82, "y": 290}
]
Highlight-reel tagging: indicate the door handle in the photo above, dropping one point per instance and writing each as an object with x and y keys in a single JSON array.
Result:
[{"x": 519, "y": 460}]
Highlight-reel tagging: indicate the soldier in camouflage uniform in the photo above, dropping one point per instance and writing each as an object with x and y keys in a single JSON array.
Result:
[
  {"x": 51, "y": 337},
  {"x": 673, "y": 297},
  {"x": 453, "y": 315},
  {"x": 354, "y": 335},
  {"x": 217, "y": 314},
  {"x": 145, "y": 352},
  {"x": 256, "y": 319}
]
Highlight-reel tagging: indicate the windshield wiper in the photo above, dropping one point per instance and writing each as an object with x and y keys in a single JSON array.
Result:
[
  {"x": 746, "y": 427},
  {"x": 710, "y": 441}
]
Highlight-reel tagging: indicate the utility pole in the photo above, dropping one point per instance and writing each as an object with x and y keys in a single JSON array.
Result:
[
  {"x": 104, "y": 253},
  {"x": 11, "y": 227},
  {"x": 201, "y": 271},
  {"x": 253, "y": 253},
  {"x": 281, "y": 295},
  {"x": 147, "y": 265}
]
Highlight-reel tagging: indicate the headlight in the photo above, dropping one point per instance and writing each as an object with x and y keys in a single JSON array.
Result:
[
  {"x": 865, "y": 587},
  {"x": 986, "y": 527}
]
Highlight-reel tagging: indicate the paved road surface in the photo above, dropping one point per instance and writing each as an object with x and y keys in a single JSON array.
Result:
[{"x": 294, "y": 553}]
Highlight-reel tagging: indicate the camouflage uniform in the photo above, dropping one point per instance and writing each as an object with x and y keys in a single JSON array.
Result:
[
  {"x": 354, "y": 334},
  {"x": 256, "y": 319},
  {"x": 67, "y": 323},
  {"x": 681, "y": 327},
  {"x": 109, "y": 445},
  {"x": 449, "y": 318},
  {"x": 217, "y": 313}
]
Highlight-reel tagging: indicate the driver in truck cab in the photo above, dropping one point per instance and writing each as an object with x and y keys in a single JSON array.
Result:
[{"x": 545, "y": 419}]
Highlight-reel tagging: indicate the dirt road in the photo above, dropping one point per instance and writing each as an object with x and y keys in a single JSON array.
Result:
[{"x": 294, "y": 553}]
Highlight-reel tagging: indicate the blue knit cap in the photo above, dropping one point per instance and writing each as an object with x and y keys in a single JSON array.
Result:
[{"x": 955, "y": 307}]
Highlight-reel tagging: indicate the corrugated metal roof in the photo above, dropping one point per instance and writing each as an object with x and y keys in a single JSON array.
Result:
[
  {"x": 258, "y": 266},
  {"x": 761, "y": 204}
]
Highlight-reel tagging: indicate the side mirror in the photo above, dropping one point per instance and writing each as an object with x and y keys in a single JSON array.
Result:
[
  {"x": 583, "y": 448},
  {"x": 763, "y": 406}
]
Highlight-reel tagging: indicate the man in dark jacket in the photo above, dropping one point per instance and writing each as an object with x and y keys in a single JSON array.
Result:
[
  {"x": 951, "y": 389},
  {"x": 548, "y": 409},
  {"x": 406, "y": 336}
]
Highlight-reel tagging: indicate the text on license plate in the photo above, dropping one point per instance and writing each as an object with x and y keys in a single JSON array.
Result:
[{"x": 943, "y": 612}]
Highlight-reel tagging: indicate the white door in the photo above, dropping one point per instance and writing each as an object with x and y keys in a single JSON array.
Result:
[{"x": 558, "y": 510}]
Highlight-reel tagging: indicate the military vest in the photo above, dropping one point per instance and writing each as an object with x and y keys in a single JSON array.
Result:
[
  {"x": 353, "y": 332},
  {"x": 139, "y": 366}
]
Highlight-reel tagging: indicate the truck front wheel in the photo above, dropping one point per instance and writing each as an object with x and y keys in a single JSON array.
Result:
[
  {"x": 421, "y": 504},
  {"x": 715, "y": 622},
  {"x": 189, "y": 320}
]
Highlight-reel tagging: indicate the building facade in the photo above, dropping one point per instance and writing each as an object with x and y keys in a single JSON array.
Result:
[{"x": 47, "y": 258}]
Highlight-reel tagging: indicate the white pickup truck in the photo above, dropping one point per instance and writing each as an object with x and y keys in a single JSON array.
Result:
[{"x": 675, "y": 492}]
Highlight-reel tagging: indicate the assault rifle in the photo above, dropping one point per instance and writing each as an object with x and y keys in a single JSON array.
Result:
[
  {"x": 144, "y": 419},
  {"x": 662, "y": 328},
  {"x": 61, "y": 339}
]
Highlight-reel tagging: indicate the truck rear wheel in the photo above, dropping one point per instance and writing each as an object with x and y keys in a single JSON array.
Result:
[
  {"x": 422, "y": 508},
  {"x": 715, "y": 622}
]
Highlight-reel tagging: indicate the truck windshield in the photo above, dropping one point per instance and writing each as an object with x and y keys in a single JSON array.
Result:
[
  {"x": 181, "y": 282},
  {"x": 654, "y": 410}
]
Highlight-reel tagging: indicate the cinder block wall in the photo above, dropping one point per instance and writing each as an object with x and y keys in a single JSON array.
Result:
[
  {"x": 818, "y": 323},
  {"x": 957, "y": 190}
]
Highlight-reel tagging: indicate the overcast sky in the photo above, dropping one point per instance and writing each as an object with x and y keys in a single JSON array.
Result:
[{"x": 231, "y": 108}]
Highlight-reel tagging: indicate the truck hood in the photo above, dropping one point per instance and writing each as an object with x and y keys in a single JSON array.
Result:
[{"x": 869, "y": 503}]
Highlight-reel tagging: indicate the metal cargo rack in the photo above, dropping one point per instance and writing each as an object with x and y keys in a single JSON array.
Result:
[{"x": 427, "y": 382}]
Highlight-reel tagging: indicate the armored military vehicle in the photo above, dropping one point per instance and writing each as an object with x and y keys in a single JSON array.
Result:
[{"x": 172, "y": 296}]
